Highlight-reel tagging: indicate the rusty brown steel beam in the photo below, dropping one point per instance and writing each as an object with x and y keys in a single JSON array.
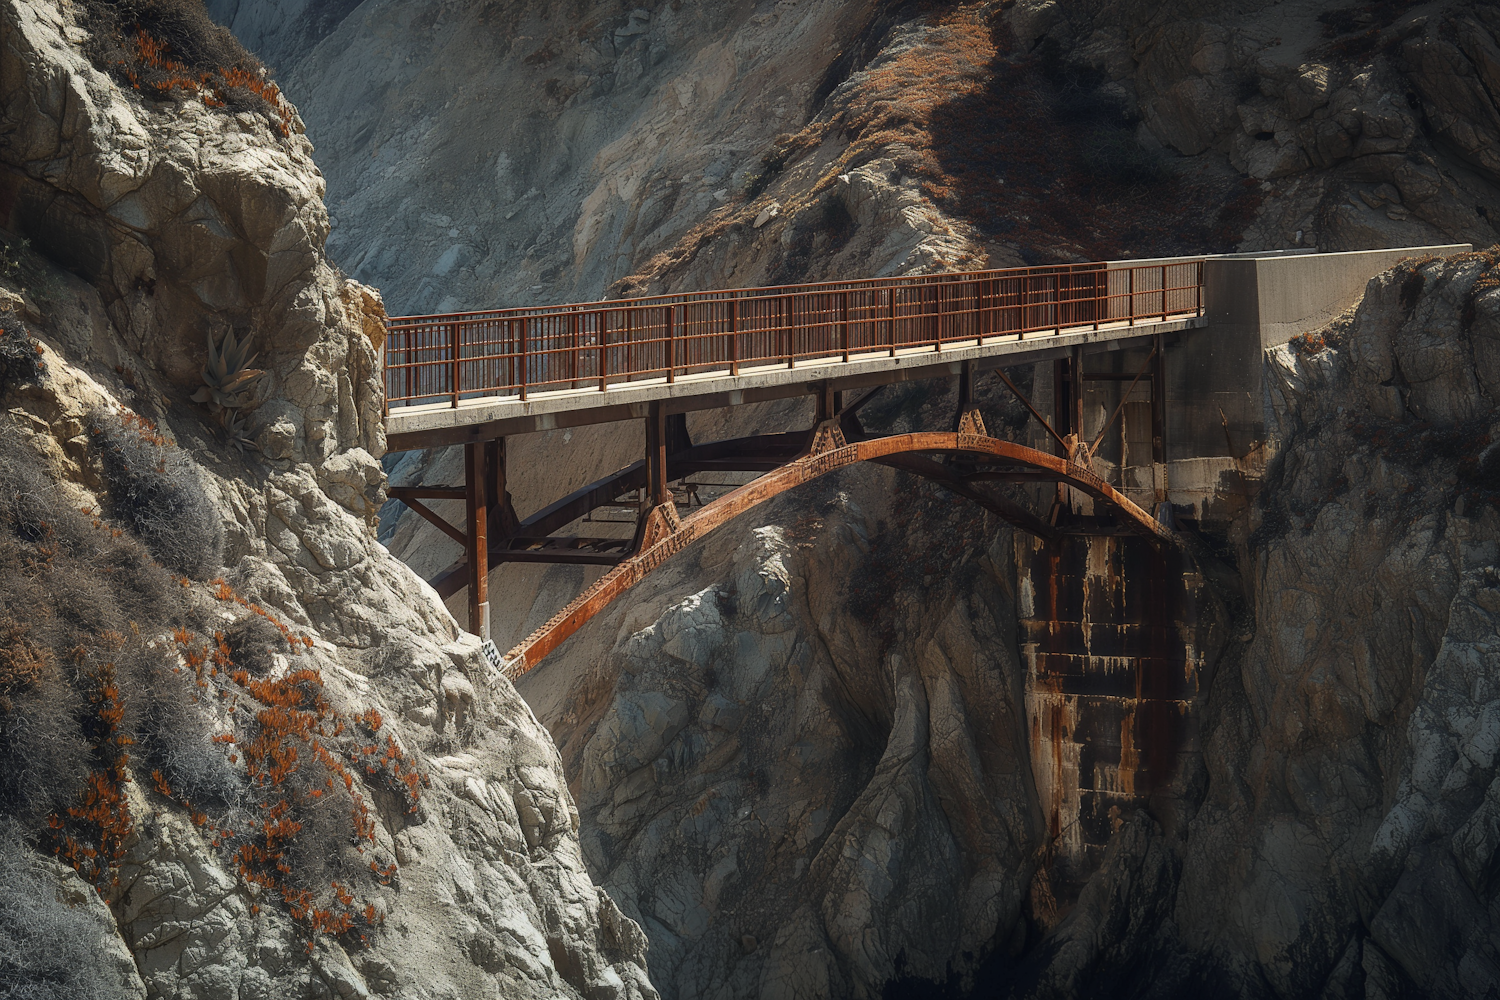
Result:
[
  {"x": 600, "y": 493},
  {"x": 764, "y": 453},
  {"x": 575, "y": 557},
  {"x": 631, "y": 571},
  {"x": 1031, "y": 409},
  {"x": 477, "y": 547},
  {"x": 519, "y": 543},
  {"x": 432, "y": 516}
]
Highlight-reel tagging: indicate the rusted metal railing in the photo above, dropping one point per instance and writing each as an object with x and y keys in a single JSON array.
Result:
[{"x": 516, "y": 352}]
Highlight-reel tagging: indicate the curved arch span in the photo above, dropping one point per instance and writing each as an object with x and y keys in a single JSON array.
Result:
[{"x": 661, "y": 541}]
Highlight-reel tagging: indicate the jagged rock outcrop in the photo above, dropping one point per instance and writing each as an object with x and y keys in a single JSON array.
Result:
[
  {"x": 1350, "y": 116},
  {"x": 1341, "y": 841},
  {"x": 801, "y": 761},
  {"x": 180, "y": 221},
  {"x": 504, "y": 154}
]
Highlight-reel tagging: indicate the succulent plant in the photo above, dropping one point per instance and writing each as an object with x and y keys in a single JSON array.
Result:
[
  {"x": 228, "y": 371},
  {"x": 238, "y": 435}
]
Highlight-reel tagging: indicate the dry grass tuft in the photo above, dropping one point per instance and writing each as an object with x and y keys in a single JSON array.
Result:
[
  {"x": 1022, "y": 147},
  {"x": 171, "y": 50}
]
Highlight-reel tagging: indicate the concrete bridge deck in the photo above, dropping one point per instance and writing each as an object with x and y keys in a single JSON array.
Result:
[
  {"x": 485, "y": 417},
  {"x": 476, "y": 376}
]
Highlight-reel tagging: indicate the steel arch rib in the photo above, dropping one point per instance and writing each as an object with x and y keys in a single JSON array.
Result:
[{"x": 531, "y": 650}]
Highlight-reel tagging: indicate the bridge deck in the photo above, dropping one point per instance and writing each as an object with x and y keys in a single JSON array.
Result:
[{"x": 476, "y": 376}]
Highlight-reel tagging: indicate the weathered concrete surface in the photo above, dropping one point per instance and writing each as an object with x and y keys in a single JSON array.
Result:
[{"x": 1119, "y": 640}]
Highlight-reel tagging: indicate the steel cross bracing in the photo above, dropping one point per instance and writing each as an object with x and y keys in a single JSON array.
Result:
[
  {"x": 696, "y": 336},
  {"x": 787, "y": 460}
]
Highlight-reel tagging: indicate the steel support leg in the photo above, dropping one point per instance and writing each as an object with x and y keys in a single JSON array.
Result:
[
  {"x": 656, "y": 457},
  {"x": 1159, "y": 419},
  {"x": 476, "y": 487}
]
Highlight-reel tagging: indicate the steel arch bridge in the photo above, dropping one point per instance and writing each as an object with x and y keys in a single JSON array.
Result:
[{"x": 474, "y": 378}]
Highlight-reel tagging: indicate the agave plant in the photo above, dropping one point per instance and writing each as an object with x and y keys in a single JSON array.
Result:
[
  {"x": 228, "y": 371},
  {"x": 236, "y": 432}
]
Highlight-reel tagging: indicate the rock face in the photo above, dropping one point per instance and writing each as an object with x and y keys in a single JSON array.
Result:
[
  {"x": 507, "y": 154},
  {"x": 180, "y": 222},
  {"x": 802, "y": 762},
  {"x": 800, "y": 755},
  {"x": 1350, "y": 117},
  {"x": 1341, "y": 838},
  {"x": 801, "y": 767}
]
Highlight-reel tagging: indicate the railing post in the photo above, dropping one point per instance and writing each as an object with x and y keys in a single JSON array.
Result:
[
  {"x": 1200, "y": 287},
  {"x": 671, "y": 344},
  {"x": 603, "y": 350},
  {"x": 786, "y": 323},
  {"x": 1131, "y": 287},
  {"x": 891, "y": 293},
  {"x": 844, "y": 310},
  {"x": 455, "y": 341},
  {"x": 1057, "y": 304},
  {"x": 524, "y": 327},
  {"x": 573, "y": 320},
  {"x": 1164, "y": 293},
  {"x": 1101, "y": 295},
  {"x": 983, "y": 294},
  {"x": 734, "y": 335},
  {"x": 937, "y": 316}
]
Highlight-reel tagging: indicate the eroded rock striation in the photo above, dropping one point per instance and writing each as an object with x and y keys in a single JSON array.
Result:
[{"x": 157, "y": 228}]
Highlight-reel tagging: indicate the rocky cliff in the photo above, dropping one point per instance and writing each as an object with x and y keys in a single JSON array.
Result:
[
  {"x": 801, "y": 753},
  {"x": 801, "y": 765},
  {"x": 519, "y": 152},
  {"x": 219, "y": 695}
]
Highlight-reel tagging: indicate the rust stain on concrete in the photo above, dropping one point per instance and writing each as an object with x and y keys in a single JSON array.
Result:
[{"x": 1113, "y": 680}]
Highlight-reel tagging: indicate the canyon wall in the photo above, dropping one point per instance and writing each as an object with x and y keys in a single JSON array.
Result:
[{"x": 161, "y": 233}]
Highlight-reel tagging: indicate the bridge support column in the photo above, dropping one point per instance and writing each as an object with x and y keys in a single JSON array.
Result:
[
  {"x": 1159, "y": 420},
  {"x": 477, "y": 486},
  {"x": 656, "y": 457}
]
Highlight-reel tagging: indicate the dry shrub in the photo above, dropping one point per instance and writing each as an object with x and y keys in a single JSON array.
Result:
[
  {"x": 20, "y": 356},
  {"x": 172, "y": 50},
  {"x": 104, "y": 681},
  {"x": 157, "y": 491},
  {"x": 48, "y": 949}
]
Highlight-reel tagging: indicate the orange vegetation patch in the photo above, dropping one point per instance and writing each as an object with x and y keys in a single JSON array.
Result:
[
  {"x": 91, "y": 835},
  {"x": 148, "y": 61},
  {"x": 298, "y": 750}
]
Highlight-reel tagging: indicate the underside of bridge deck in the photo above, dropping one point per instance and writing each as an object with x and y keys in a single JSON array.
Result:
[{"x": 963, "y": 459}]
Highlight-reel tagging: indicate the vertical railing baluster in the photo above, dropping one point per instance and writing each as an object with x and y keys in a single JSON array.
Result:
[
  {"x": 844, "y": 309},
  {"x": 671, "y": 344},
  {"x": 454, "y": 342},
  {"x": 734, "y": 335},
  {"x": 524, "y": 359},
  {"x": 573, "y": 321},
  {"x": 891, "y": 293},
  {"x": 603, "y": 349}
]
